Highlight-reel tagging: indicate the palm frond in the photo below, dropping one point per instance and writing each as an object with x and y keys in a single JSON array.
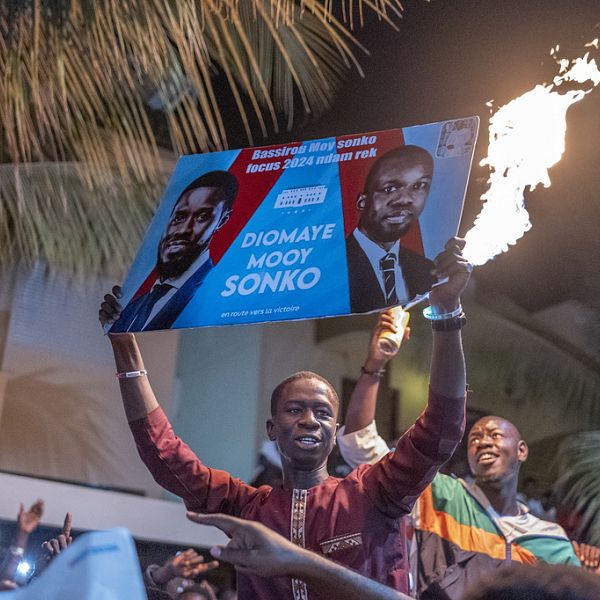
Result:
[
  {"x": 79, "y": 80},
  {"x": 71, "y": 68},
  {"x": 578, "y": 484},
  {"x": 49, "y": 212}
]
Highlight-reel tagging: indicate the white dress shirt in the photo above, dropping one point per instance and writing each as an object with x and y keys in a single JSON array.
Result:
[{"x": 375, "y": 253}]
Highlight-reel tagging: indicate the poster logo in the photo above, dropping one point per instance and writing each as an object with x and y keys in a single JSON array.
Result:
[{"x": 298, "y": 197}]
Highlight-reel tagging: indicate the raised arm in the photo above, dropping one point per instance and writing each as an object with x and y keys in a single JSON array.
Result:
[
  {"x": 358, "y": 440},
  {"x": 256, "y": 550},
  {"x": 138, "y": 398},
  {"x": 171, "y": 462},
  {"x": 361, "y": 408},
  {"x": 396, "y": 481},
  {"x": 447, "y": 372}
]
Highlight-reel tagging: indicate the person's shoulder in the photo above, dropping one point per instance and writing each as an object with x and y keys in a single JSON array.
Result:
[
  {"x": 547, "y": 542},
  {"x": 537, "y": 526},
  {"x": 447, "y": 486},
  {"x": 353, "y": 479}
]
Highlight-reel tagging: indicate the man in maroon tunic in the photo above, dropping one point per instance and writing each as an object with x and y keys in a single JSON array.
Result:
[{"x": 357, "y": 520}]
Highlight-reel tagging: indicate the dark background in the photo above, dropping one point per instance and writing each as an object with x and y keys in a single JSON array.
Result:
[{"x": 447, "y": 60}]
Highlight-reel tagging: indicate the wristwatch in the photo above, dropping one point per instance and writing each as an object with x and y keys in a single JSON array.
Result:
[{"x": 451, "y": 324}]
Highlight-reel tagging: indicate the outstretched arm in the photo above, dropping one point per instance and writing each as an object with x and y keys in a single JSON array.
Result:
[
  {"x": 359, "y": 441},
  {"x": 256, "y": 550},
  {"x": 396, "y": 481},
  {"x": 171, "y": 462},
  {"x": 361, "y": 408},
  {"x": 447, "y": 372},
  {"x": 138, "y": 398}
]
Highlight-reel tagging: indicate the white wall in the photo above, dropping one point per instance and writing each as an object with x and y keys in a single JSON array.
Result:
[
  {"x": 62, "y": 415},
  {"x": 146, "y": 518}
]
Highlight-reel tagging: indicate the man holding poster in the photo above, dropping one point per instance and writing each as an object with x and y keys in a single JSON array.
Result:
[
  {"x": 183, "y": 259},
  {"x": 380, "y": 272},
  {"x": 356, "y": 520}
]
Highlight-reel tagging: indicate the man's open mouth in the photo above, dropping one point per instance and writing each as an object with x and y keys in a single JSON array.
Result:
[
  {"x": 307, "y": 441},
  {"x": 486, "y": 458}
]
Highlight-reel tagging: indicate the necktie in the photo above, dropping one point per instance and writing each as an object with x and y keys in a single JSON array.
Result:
[
  {"x": 158, "y": 291},
  {"x": 387, "y": 264}
]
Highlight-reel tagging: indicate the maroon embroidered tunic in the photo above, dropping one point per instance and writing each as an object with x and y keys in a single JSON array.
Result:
[{"x": 355, "y": 521}]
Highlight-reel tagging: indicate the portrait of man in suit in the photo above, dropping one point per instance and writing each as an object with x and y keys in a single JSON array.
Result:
[
  {"x": 183, "y": 255},
  {"x": 380, "y": 272}
]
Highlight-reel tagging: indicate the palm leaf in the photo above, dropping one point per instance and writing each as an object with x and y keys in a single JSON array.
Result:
[
  {"x": 77, "y": 78},
  {"x": 578, "y": 484},
  {"x": 49, "y": 212}
]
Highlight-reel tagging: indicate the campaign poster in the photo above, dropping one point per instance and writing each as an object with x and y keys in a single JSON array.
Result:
[{"x": 328, "y": 227}]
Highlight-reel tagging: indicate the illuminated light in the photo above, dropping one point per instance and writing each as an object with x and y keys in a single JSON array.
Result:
[
  {"x": 23, "y": 568},
  {"x": 526, "y": 138}
]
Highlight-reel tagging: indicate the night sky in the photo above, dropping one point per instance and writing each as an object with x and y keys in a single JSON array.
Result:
[{"x": 447, "y": 60}]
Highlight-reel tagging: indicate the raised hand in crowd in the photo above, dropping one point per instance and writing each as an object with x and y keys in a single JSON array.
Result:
[
  {"x": 110, "y": 309},
  {"x": 257, "y": 550},
  {"x": 52, "y": 548},
  {"x": 361, "y": 408},
  {"x": 376, "y": 359},
  {"x": 187, "y": 565},
  {"x": 451, "y": 264},
  {"x": 27, "y": 522}
]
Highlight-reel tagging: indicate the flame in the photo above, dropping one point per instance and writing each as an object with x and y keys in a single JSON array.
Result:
[{"x": 526, "y": 138}]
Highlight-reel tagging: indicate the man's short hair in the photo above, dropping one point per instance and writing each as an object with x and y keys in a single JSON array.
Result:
[
  {"x": 300, "y": 375},
  {"x": 411, "y": 151},
  {"x": 537, "y": 582},
  {"x": 224, "y": 180}
]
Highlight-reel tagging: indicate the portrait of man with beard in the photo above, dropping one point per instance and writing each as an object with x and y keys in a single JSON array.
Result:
[
  {"x": 380, "y": 272},
  {"x": 183, "y": 255}
]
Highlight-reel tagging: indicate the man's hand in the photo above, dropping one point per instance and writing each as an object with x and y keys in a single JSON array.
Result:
[
  {"x": 254, "y": 549},
  {"x": 376, "y": 360},
  {"x": 450, "y": 263},
  {"x": 28, "y": 520},
  {"x": 110, "y": 309},
  {"x": 589, "y": 556},
  {"x": 188, "y": 564},
  {"x": 52, "y": 548}
]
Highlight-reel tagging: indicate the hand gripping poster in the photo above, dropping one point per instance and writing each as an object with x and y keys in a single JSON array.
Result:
[{"x": 328, "y": 227}]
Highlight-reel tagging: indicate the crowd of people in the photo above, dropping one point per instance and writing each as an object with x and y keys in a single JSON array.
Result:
[{"x": 393, "y": 528}]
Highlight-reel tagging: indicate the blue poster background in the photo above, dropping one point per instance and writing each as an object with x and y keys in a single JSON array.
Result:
[{"x": 285, "y": 256}]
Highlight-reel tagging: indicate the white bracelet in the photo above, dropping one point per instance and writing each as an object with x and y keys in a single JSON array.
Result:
[
  {"x": 131, "y": 374},
  {"x": 429, "y": 314},
  {"x": 16, "y": 550}
]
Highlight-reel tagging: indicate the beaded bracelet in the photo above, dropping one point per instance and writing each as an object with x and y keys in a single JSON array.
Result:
[{"x": 379, "y": 374}]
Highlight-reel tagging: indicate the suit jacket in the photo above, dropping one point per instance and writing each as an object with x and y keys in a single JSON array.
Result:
[
  {"x": 166, "y": 316},
  {"x": 366, "y": 293}
]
